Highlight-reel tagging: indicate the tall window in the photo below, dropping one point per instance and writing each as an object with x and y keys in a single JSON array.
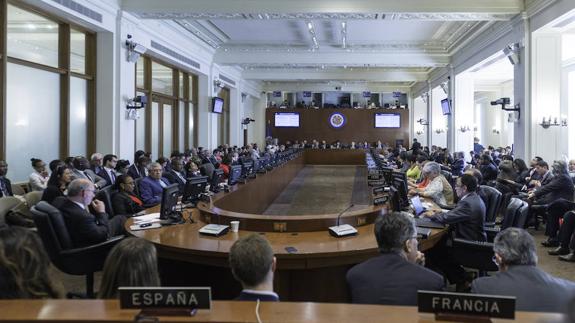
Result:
[
  {"x": 167, "y": 124},
  {"x": 49, "y": 98}
]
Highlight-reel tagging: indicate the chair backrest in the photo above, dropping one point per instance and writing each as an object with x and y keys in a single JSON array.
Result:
[
  {"x": 522, "y": 216},
  {"x": 105, "y": 195},
  {"x": 17, "y": 189},
  {"x": 6, "y": 204},
  {"x": 207, "y": 169},
  {"x": 511, "y": 212},
  {"x": 493, "y": 200},
  {"x": 32, "y": 198},
  {"x": 137, "y": 186},
  {"x": 51, "y": 228}
]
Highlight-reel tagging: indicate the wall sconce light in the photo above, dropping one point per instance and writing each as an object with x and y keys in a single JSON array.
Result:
[
  {"x": 419, "y": 132},
  {"x": 218, "y": 83},
  {"x": 439, "y": 130},
  {"x": 495, "y": 131},
  {"x": 546, "y": 123},
  {"x": 423, "y": 122},
  {"x": 464, "y": 128}
]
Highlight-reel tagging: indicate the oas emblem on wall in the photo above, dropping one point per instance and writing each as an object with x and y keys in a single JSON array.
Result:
[{"x": 337, "y": 120}]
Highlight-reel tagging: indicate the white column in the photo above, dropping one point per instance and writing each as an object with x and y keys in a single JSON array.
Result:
[{"x": 463, "y": 112}]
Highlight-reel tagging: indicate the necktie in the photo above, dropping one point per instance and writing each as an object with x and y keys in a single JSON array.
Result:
[
  {"x": 3, "y": 187},
  {"x": 112, "y": 177},
  {"x": 88, "y": 176},
  {"x": 162, "y": 183}
]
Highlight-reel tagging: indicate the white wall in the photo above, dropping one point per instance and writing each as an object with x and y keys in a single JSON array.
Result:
[
  {"x": 438, "y": 120},
  {"x": 463, "y": 108},
  {"x": 419, "y": 112}
]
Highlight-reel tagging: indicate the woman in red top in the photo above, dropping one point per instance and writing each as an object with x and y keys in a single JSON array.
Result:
[
  {"x": 125, "y": 201},
  {"x": 225, "y": 165}
]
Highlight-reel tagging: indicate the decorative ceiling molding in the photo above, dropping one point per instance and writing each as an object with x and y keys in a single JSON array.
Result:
[
  {"x": 427, "y": 16},
  {"x": 438, "y": 47}
]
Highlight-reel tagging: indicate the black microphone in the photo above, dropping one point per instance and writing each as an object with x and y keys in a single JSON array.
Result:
[{"x": 342, "y": 212}]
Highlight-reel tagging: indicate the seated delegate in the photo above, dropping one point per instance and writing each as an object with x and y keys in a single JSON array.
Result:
[{"x": 395, "y": 276}]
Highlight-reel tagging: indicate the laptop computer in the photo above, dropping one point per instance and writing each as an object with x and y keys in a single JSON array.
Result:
[{"x": 423, "y": 221}]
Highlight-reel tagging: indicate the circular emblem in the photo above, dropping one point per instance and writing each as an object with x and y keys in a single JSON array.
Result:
[{"x": 337, "y": 120}]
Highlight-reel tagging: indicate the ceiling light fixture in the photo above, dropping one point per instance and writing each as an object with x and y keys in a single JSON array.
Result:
[
  {"x": 313, "y": 36},
  {"x": 343, "y": 34}
]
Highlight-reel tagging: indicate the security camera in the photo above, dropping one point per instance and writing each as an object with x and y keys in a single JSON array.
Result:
[
  {"x": 139, "y": 102},
  {"x": 134, "y": 49},
  {"x": 503, "y": 102}
]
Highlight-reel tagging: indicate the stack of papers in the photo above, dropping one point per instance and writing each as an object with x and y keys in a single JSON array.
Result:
[{"x": 148, "y": 218}]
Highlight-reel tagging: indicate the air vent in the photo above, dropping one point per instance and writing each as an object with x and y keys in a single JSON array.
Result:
[
  {"x": 170, "y": 52},
  {"x": 227, "y": 79},
  {"x": 84, "y": 11}
]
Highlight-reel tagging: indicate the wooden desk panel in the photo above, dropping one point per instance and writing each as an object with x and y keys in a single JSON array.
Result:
[
  {"x": 229, "y": 311},
  {"x": 335, "y": 157}
]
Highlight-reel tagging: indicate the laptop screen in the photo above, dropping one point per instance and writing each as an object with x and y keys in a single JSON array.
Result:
[{"x": 417, "y": 206}]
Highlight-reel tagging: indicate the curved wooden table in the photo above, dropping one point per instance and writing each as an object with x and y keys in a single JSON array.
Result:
[{"x": 316, "y": 272}]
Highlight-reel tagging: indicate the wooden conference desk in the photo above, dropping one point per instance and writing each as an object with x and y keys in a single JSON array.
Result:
[
  {"x": 229, "y": 311},
  {"x": 316, "y": 272}
]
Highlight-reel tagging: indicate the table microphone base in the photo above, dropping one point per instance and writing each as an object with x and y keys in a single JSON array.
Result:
[{"x": 343, "y": 230}]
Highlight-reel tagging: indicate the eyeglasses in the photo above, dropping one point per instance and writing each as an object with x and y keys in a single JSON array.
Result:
[{"x": 494, "y": 259}]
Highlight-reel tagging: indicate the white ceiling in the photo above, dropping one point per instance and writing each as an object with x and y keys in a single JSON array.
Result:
[{"x": 386, "y": 40}]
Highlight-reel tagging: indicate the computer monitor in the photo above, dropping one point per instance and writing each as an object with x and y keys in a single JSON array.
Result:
[
  {"x": 401, "y": 186},
  {"x": 394, "y": 201},
  {"x": 193, "y": 188},
  {"x": 235, "y": 174},
  {"x": 216, "y": 179},
  {"x": 170, "y": 196},
  {"x": 247, "y": 168},
  {"x": 387, "y": 175}
]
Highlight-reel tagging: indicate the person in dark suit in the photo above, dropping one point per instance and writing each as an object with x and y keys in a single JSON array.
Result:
[
  {"x": 395, "y": 276},
  {"x": 124, "y": 201},
  {"x": 108, "y": 172},
  {"x": 82, "y": 170},
  {"x": 488, "y": 169},
  {"x": 518, "y": 276},
  {"x": 253, "y": 264},
  {"x": 468, "y": 216},
  {"x": 176, "y": 175},
  {"x": 96, "y": 162},
  {"x": 5, "y": 184},
  {"x": 139, "y": 168},
  {"x": 86, "y": 228},
  {"x": 151, "y": 186},
  {"x": 415, "y": 146}
]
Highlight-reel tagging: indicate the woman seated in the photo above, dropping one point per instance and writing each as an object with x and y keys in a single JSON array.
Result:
[
  {"x": 57, "y": 184},
  {"x": 124, "y": 201},
  {"x": 438, "y": 189},
  {"x": 225, "y": 165},
  {"x": 38, "y": 180},
  {"x": 413, "y": 171},
  {"x": 24, "y": 266},
  {"x": 131, "y": 263}
]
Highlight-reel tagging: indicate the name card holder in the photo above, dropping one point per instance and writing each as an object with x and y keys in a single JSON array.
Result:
[
  {"x": 165, "y": 301},
  {"x": 459, "y": 307}
]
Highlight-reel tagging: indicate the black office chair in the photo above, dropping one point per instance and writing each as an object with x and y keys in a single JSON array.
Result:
[
  {"x": 492, "y": 203},
  {"x": 105, "y": 195},
  {"x": 511, "y": 218},
  {"x": 476, "y": 255},
  {"x": 57, "y": 242}
]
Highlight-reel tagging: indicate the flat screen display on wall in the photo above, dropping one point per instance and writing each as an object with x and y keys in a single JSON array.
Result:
[
  {"x": 287, "y": 120},
  {"x": 445, "y": 107},
  {"x": 217, "y": 105},
  {"x": 387, "y": 120}
]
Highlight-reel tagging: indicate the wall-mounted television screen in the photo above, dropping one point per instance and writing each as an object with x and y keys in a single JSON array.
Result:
[
  {"x": 217, "y": 105},
  {"x": 445, "y": 107},
  {"x": 287, "y": 120},
  {"x": 387, "y": 120}
]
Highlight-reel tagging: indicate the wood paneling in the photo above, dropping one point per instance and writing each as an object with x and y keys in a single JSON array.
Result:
[{"x": 359, "y": 127}]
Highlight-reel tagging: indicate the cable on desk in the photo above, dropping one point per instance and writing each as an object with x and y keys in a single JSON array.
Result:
[{"x": 258, "y": 311}]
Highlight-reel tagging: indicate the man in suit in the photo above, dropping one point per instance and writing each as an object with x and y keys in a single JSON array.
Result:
[
  {"x": 176, "y": 175},
  {"x": 86, "y": 228},
  {"x": 518, "y": 276},
  {"x": 96, "y": 162},
  {"x": 253, "y": 264},
  {"x": 5, "y": 184},
  {"x": 468, "y": 216},
  {"x": 81, "y": 170},
  {"x": 556, "y": 190},
  {"x": 108, "y": 172},
  {"x": 151, "y": 186},
  {"x": 139, "y": 168},
  {"x": 395, "y": 276}
]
